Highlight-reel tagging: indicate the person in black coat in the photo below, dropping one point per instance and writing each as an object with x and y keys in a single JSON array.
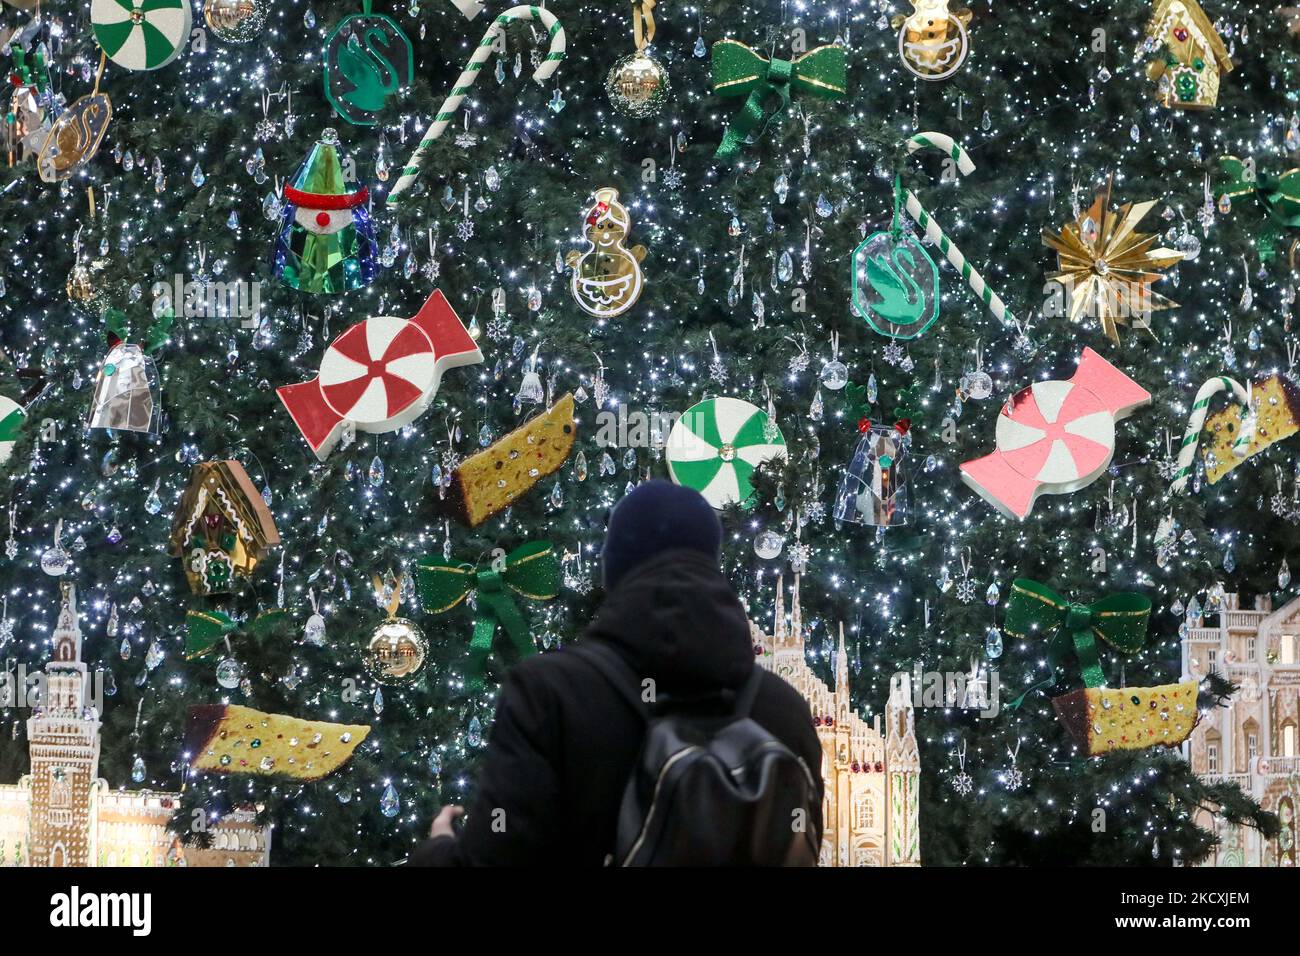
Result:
[{"x": 564, "y": 741}]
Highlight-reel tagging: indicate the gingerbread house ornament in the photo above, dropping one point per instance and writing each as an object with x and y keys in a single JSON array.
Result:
[
  {"x": 1187, "y": 70},
  {"x": 223, "y": 528}
]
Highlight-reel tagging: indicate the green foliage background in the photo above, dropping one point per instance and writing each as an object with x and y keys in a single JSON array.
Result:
[{"x": 1021, "y": 106}]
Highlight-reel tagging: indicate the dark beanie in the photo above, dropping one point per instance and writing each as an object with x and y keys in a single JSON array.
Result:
[{"x": 657, "y": 516}]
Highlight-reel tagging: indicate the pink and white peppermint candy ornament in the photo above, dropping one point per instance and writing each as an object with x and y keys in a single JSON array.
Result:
[
  {"x": 1055, "y": 437},
  {"x": 380, "y": 374}
]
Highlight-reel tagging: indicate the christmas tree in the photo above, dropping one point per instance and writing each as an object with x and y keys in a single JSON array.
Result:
[{"x": 873, "y": 224}]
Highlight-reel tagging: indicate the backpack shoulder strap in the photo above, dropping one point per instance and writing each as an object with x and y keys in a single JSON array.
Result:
[
  {"x": 749, "y": 692},
  {"x": 616, "y": 671}
]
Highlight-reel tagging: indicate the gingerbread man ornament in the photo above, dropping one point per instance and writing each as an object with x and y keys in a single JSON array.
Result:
[{"x": 607, "y": 275}]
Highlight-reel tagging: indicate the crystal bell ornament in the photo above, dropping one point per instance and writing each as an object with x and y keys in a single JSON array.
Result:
[
  {"x": 326, "y": 244},
  {"x": 638, "y": 84},
  {"x": 397, "y": 647},
  {"x": 874, "y": 488}
]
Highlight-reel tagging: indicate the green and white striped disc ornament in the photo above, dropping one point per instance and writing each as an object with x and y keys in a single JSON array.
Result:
[
  {"x": 716, "y": 445},
  {"x": 141, "y": 34},
  {"x": 11, "y": 420}
]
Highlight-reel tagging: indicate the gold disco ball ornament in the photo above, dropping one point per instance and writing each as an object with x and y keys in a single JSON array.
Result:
[
  {"x": 396, "y": 652},
  {"x": 638, "y": 85},
  {"x": 235, "y": 21}
]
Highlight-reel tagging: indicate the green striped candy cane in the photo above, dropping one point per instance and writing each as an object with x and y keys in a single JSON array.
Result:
[
  {"x": 1196, "y": 421},
  {"x": 947, "y": 146},
  {"x": 451, "y": 104}
]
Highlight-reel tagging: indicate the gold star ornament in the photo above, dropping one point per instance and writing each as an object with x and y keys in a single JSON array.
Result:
[{"x": 1106, "y": 266}]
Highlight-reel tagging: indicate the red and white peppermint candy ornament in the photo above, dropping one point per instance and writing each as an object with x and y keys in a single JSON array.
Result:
[
  {"x": 380, "y": 374},
  {"x": 1055, "y": 437}
]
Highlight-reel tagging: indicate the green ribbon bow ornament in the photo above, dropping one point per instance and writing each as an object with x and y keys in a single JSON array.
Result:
[
  {"x": 531, "y": 570},
  {"x": 204, "y": 630},
  {"x": 1279, "y": 195},
  {"x": 739, "y": 71},
  {"x": 1119, "y": 620}
]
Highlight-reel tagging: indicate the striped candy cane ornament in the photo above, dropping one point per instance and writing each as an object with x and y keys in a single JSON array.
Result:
[
  {"x": 1196, "y": 421},
  {"x": 465, "y": 83},
  {"x": 948, "y": 147}
]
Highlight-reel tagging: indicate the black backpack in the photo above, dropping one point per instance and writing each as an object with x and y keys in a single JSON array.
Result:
[{"x": 712, "y": 787}]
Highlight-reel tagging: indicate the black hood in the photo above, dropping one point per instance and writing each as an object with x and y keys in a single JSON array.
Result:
[{"x": 676, "y": 619}]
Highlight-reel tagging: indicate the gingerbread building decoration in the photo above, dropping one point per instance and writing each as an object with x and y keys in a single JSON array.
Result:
[
  {"x": 871, "y": 807},
  {"x": 1254, "y": 741},
  {"x": 62, "y": 813},
  {"x": 223, "y": 529},
  {"x": 1188, "y": 68}
]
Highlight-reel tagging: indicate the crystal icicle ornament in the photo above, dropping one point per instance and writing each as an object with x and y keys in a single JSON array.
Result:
[
  {"x": 376, "y": 473},
  {"x": 153, "y": 504},
  {"x": 1229, "y": 561},
  {"x": 474, "y": 733},
  {"x": 781, "y": 187},
  {"x": 823, "y": 206},
  {"x": 377, "y": 703},
  {"x": 137, "y": 770},
  {"x": 435, "y": 762},
  {"x": 1283, "y": 575},
  {"x": 992, "y": 595},
  {"x": 993, "y": 643},
  {"x": 700, "y": 50},
  {"x": 580, "y": 466},
  {"x": 785, "y": 266},
  {"x": 390, "y": 805}
]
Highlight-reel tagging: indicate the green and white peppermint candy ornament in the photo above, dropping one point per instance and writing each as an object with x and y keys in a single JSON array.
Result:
[
  {"x": 141, "y": 34},
  {"x": 716, "y": 445},
  {"x": 11, "y": 420}
]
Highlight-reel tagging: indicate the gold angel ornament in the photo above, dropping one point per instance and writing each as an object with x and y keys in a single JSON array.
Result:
[
  {"x": 1106, "y": 266},
  {"x": 607, "y": 274}
]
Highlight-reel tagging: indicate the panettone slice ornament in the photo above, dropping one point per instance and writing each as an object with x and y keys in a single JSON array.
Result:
[
  {"x": 1054, "y": 437},
  {"x": 229, "y": 738},
  {"x": 380, "y": 374},
  {"x": 495, "y": 478},
  {"x": 716, "y": 445},
  {"x": 222, "y": 529},
  {"x": 1101, "y": 719},
  {"x": 607, "y": 275},
  {"x": 1191, "y": 55},
  {"x": 1276, "y": 405}
]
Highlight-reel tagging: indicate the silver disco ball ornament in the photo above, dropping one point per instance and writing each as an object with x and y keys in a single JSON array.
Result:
[
  {"x": 638, "y": 85},
  {"x": 235, "y": 21}
]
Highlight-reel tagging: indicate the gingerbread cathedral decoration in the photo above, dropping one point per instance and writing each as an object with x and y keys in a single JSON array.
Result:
[
  {"x": 1254, "y": 741},
  {"x": 63, "y": 814},
  {"x": 872, "y": 778}
]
